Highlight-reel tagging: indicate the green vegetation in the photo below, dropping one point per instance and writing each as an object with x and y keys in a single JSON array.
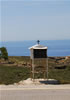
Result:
[
  {"x": 62, "y": 75},
  {"x": 12, "y": 74},
  {"x": 16, "y": 69},
  {"x": 3, "y": 53}
]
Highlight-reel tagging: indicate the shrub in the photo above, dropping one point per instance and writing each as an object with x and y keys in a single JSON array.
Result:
[{"x": 4, "y": 53}]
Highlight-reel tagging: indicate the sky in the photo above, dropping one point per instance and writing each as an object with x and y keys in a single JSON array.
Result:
[{"x": 34, "y": 19}]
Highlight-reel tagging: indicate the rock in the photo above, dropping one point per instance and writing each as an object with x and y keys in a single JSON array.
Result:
[{"x": 30, "y": 81}]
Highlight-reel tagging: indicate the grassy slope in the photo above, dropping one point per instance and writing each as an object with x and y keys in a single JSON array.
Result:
[
  {"x": 13, "y": 74},
  {"x": 63, "y": 75},
  {"x": 10, "y": 75}
]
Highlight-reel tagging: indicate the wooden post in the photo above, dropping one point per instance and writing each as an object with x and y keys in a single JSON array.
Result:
[
  {"x": 33, "y": 69},
  {"x": 44, "y": 75},
  {"x": 47, "y": 68}
]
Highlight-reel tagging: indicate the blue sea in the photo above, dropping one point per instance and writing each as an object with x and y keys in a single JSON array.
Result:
[{"x": 55, "y": 47}]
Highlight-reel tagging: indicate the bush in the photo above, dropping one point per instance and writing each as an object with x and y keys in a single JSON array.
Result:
[{"x": 4, "y": 53}]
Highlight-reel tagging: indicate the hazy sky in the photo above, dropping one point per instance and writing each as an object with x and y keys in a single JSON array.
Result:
[{"x": 35, "y": 19}]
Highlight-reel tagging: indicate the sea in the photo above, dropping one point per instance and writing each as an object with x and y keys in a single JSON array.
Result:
[{"x": 21, "y": 48}]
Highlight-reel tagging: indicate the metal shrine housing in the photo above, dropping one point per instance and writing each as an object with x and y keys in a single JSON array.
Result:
[
  {"x": 39, "y": 60},
  {"x": 38, "y": 51}
]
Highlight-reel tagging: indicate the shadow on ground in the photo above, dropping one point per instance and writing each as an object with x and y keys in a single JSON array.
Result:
[{"x": 50, "y": 82}]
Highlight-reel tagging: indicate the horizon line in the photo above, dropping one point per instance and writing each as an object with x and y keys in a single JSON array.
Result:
[{"x": 36, "y": 40}]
